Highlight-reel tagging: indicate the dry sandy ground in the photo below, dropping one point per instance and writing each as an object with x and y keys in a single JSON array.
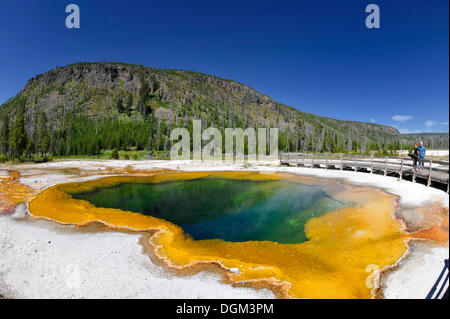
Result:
[{"x": 42, "y": 259}]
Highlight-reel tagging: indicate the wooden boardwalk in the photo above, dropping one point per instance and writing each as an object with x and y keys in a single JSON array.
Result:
[{"x": 434, "y": 174}]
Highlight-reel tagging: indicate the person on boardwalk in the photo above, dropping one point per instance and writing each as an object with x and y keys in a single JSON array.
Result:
[
  {"x": 422, "y": 151},
  {"x": 415, "y": 156}
]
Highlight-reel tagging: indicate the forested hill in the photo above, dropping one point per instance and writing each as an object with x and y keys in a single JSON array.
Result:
[
  {"x": 431, "y": 140},
  {"x": 86, "y": 107}
]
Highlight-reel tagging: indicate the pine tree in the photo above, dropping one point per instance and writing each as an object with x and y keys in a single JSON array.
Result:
[
  {"x": 29, "y": 149},
  {"x": 43, "y": 135},
  {"x": 145, "y": 97},
  {"x": 4, "y": 135},
  {"x": 119, "y": 105},
  {"x": 128, "y": 105},
  {"x": 18, "y": 138},
  {"x": 150, "y": 140},
  {"x": 115, "y": 154}
]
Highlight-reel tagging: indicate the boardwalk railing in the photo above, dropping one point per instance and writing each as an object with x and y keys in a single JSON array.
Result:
[
  {"x": 435, "y": 173},
  {"x": 440, "y": 288}
]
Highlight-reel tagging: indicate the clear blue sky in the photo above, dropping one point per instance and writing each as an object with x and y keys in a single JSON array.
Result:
[{"x": 317, "y": 56}]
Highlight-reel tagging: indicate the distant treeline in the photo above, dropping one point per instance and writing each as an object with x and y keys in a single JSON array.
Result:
[{"x": 81, "y": 135}]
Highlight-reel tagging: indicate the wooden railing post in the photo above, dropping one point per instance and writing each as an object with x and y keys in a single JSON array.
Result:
[
  {"x": 371, "y": 165},
  {"x": 429, "y": 173},
  {"x": 312, "y": 160},
  {"x": 326, "y": 161},
  {"x": 296, "y": 159},
  {"x": 385, "y": 166},
  {"x": 342, "y": 162},
  {"x": 401, "y": 168},
  {"x": 356, "y": 163}
]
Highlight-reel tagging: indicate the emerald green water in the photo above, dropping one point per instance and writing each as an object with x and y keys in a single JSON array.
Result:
[{"x": 215, "y": 208}]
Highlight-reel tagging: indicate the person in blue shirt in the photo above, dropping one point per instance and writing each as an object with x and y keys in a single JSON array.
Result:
[{"x": 422, "y": 151}]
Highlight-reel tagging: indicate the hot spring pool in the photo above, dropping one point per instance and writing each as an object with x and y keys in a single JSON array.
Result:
[
  {"x": 301, "y": 237},
  {"x": 227, "y": 209}
]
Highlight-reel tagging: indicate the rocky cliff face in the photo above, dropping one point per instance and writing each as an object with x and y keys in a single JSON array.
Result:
[
  {"x": 114, "y": 90},
  {"x": 172, "y": 86}
]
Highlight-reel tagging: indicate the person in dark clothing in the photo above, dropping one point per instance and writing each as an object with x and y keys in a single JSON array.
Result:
[{"x": 415, "y": 156}]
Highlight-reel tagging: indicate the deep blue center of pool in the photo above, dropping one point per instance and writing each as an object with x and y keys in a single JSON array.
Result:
[{"x": 216, "y": 208}]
